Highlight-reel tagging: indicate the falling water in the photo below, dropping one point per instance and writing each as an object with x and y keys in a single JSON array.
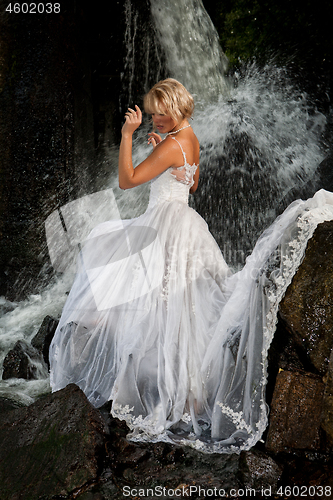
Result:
[
  {"x": 144, "y": 61},
  {"x": 130, "y": 39},
  {"x": 191, "y": 43},
  {"x": 260, "y": 148}
]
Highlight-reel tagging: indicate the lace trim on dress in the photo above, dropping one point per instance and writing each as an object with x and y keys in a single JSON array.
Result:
[
  {"x": 189, "y": 169},
  {"x": 273, "y": 279},
  {"x": 275, "y": 288}
]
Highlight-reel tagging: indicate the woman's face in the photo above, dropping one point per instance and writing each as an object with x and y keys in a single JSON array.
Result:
[{"x": 163, "y": 123}]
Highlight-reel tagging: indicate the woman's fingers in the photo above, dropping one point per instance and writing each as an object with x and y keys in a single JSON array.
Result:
[
  {"x": 134, "y": 114},
  {"x": 157, "y": 138},
  {"x": 133, "y": 120},
  {"x": 152, "y": 141},
  {"x": 138, "y": 112},
  {"x": 130, "y": 113}
]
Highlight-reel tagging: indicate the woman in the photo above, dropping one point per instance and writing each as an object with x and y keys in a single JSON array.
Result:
[
  {"x": 170, "y": 106},
  {"x": 156, "y": 322}
]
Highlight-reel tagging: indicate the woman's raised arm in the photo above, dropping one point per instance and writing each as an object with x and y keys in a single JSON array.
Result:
[
  {"x": 164, "y": 155},
  {"x": 133, "y": 120}
]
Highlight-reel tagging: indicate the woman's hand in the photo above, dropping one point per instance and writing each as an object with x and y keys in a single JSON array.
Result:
[
  {"x": 154, "y": 139},
  {"x": 133, "y": 119},
  {"x": 185, "y": 174}
]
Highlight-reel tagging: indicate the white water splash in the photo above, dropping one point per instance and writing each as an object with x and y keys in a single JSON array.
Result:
[
  {"x": 282, "y": 127},
  {"x": 22, "y": 323}
]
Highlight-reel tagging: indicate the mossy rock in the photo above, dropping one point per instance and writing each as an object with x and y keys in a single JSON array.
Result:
[
  {"x": 53, "y": 447},
  {"x": 307, "y": 308}
]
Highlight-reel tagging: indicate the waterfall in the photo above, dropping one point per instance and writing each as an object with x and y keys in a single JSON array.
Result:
[
  {"x": 130, "y": 39},
  {"x": 191, "y": 44},
  {"x": 144, "y": 60},
  {"x": 260, "y": 147}
]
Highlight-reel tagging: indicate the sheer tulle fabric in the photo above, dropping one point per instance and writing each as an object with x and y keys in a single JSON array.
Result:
[{"x": 157, "y": 323}]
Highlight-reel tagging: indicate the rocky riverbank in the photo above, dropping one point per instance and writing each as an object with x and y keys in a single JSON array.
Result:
[{"x": 60, "y": 447}]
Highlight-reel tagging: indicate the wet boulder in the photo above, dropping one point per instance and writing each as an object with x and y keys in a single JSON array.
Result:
[
  {"x": 302, "y": 404},
  {"x": 307, "y": 308},
  {"x": 52, "y": 448},
  {"x": 258, "y": 471},
  {"x": 24, "y": 361},
  {"x": 44, "y": 336},
  {"x": 5, "y": 306},
  {"x": 296, "y": 413},
  {"x": 7, "y": 404},
  {"x": 182, "y": 471},
  {"x": 327, "y": 423}
]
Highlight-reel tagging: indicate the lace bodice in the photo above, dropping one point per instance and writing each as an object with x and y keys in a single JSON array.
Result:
[{"x": 165, "y": 187}]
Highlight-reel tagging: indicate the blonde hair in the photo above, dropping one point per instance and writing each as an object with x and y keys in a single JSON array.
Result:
[{"x": 169, "y": 97}]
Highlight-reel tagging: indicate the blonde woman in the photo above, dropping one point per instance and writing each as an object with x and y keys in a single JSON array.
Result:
[{"x": 170, "y": 106}]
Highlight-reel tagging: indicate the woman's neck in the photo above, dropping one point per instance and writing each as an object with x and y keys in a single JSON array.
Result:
[{"x": 183, "y": 125}]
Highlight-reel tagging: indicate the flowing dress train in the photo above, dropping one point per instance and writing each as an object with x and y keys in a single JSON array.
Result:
[{"x": 157, "y": 322}]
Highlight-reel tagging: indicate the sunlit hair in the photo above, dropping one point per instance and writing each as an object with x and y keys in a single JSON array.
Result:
[{"x": 169, "y": 97}]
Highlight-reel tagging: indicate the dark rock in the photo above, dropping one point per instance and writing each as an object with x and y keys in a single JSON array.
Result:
[
  {"x": 316, "y": 474},
  {"x": 44, "y": 336},
  {"x": 92, "y": 496},
  {"x": 134, "y": 457},
  {"x": 296, "y": 413},
  {"x": 190, "y": 469},
  {"x": 327, "y": 423},
  {"x": 6, "y": 307},
  {"x": 325, "y": 172},
  {"x": 146, "y": 465},
  {"x": 8, "y": 404},
  {"x": 284, "y": 354},
  {"x": 259, "y": 471},
  {"x": 24, "y": 361},
  {"x": 307, "y": 308},
  {"x": 51, "y": 448},
  {"x": 36, "y": 141}
]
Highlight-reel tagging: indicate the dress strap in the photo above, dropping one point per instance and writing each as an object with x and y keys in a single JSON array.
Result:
[{"x": 185, "y": 161}]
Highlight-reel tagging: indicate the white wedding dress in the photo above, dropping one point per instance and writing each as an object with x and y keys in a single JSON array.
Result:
[{"x": 157, "y": 323}]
